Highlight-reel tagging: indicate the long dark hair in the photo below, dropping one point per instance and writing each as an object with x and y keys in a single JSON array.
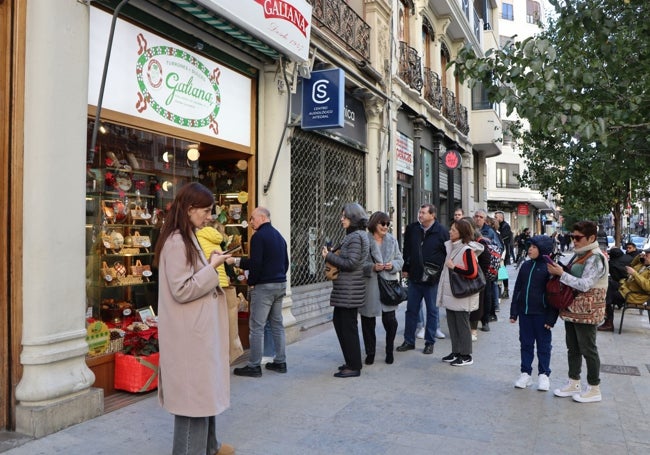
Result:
[{"x": 192, "y": 195}]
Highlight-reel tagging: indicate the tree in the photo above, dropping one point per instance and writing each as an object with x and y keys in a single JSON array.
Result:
[{"x": 581, "y": 85}]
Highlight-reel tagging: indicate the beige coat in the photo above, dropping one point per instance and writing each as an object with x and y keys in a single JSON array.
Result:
[
  {"x": 445, "y": 299},
  {"x": 194, "y": 376}
]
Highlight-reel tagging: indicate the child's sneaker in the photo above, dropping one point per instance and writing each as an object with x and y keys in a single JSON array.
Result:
[
  {"x": 524, "y": 381},
  {"x": 462, "y": 360},
  {"x": 543, "y": 383},
  {"x": 590, "y": 394},
  {"x": 571, "y": 387}
]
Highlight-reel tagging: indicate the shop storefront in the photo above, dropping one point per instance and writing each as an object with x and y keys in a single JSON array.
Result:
[{"x": 92, "y": 181}]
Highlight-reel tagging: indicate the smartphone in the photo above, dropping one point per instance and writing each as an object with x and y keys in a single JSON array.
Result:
[
  {"x": 232, "y": 250},
  {"x": 548, "y": 259}
]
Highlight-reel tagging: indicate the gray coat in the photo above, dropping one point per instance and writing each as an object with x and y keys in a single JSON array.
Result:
[
  {"x": 349, "y": 289},
  {"x": 388, "y": 251}
]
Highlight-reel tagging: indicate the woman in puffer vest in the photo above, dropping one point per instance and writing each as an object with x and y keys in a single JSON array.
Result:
[{"x": 349, "y": 289}]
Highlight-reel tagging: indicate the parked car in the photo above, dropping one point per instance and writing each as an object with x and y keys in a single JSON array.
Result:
[{"x": 610, "y": 242}]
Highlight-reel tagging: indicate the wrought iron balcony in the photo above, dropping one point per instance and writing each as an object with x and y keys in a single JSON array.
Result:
[
  {"x": 462, "y": 122},
  {"x": 340, "y": 19},
  {"x": 410, "y": 66},
  {"x": 432, "y": 88},
  {"x": 449, "y": 105}
]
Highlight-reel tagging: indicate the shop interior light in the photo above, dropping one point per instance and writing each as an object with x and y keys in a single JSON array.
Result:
[
  {"x": 102, "y": 128},
  {"x": 167, "y": 185},
  {"x": 167, "y": 157},
  {"x": 242, "y": 165},
  {"x": 193, "y": 154}
]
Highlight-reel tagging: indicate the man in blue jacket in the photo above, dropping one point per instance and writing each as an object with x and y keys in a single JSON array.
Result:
[
  {"x": 424, "y": 249},
  {"x": 267, "y": 279}
]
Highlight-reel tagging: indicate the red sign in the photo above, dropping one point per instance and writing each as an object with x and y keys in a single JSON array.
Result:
[
  {"x": 522, "y": 209},
  {"x": 451, "y": 159}
]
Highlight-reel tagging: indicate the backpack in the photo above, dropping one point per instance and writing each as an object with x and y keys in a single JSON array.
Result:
[{"x": 492, "y": 273}]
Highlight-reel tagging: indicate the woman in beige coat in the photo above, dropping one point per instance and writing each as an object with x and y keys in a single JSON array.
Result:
[{"x": 194, "y": 381}]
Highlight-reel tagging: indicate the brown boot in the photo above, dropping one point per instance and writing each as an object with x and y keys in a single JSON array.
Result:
[{"x": 607, "y": 326}]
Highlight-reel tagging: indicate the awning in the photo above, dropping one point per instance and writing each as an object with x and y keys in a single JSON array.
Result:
[
  {"x": 224, "y": 26},
  {"x": 541, "y": 204}
]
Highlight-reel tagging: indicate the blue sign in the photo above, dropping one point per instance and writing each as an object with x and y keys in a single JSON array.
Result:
[{"x": 323, "y": 99}]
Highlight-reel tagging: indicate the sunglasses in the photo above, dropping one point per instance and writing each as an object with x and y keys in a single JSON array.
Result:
[
  {"x": 577, "y": 237},
  {"x": 385, "y": 223}
]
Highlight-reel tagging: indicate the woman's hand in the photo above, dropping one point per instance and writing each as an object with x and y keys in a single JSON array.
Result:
[
  {"x": 379, "y": 267},
  {"x": 217, "y": 258},
  {"x": 555, "y": 269},
  {"x": 450, "y": 264},
  {"x": 388, "y": 266},
  {"x": 324, "y": 251}
]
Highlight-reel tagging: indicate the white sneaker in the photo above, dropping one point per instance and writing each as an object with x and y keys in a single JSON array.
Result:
[
  {"x": 523, "y": 381},
  {"x": 543, "y": 383},
  {"x": 440, "y": 335},
  {"x": 570, "y": 388},
  {"x": 590, "y": 394},
  {"x": 420, "y": 334}
]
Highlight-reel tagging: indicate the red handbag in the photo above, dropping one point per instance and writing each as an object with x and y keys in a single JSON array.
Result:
[{"x": 559, "y": 295}]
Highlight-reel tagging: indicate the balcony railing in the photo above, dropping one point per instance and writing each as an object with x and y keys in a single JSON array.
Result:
[
  {"x": 340, "y": 19},
  {"x": 432, "y": 88},
  {"x": 462, "y": 122},
  {"x": 449, "y": 105},
  {"x": 410, "y": 66}
]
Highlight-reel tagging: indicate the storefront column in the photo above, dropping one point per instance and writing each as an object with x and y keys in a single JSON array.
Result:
[
  {"x": 374, "y": 108},
  {"x": 418, "y": 125},
  {"x": 55, "y": 389},
  {"x": 276, "y": 198}
]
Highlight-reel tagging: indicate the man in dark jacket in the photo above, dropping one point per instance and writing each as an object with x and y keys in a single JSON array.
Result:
[
  {"x": 268, "y": 265},
  {"x": 424, "y": 250},
  {"x": 506, "y": 237},
  {"x": 617, "y": 272}
]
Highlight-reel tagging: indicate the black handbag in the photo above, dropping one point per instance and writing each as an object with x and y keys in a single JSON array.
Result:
[
  {"x": 464, "y": 287},
  {"x": 430, "y": 273},
  {"x": 391, "y": 292}
]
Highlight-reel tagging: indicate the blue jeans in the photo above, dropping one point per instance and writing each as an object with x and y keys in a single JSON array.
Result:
[
  {"x": 531, "y": 332},
  {"x": 194, "y": 436},
  {"x": 266, "y": 304},
  {"x": 417, "y": 292}
]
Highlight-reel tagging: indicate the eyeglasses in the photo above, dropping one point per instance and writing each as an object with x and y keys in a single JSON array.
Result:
[
  {"x": 577, "y": 238},
  {"x": 385, "y": 223}
]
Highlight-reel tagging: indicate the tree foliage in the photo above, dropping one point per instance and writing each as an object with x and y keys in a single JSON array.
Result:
[{"x": 582, "y": 87}]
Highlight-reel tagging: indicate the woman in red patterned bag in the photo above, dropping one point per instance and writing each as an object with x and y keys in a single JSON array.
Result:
[{"x": 587, "y": 273}]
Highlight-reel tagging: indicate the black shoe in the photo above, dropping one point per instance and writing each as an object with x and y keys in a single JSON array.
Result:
[
  {"x": 280, "y": 367},
  {"x": 343, "y": 367},
  {"x": 428, "y": 348},
  {"x": 370, "y": 359},
  {"x": 505, "y": 295},
  {"x": 462, "y": 361},
  {"x": 405, "y": 347},
  {"x": 493, "y": 318},
  {"x": 450, "y": 358},
  {"x": 485, "y": 327},
  {"x": 251, "y": 372},
  {"x": 347, "y": 374}
]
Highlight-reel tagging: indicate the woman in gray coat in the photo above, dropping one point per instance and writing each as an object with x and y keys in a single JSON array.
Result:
[
  {"x": 349, "y": 289},
  {"x": 385, "y": 260},
  {"x": 194, "y": 381}
]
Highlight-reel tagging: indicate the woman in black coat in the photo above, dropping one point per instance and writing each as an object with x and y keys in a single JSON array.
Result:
[{"x": 349, "y": 289}]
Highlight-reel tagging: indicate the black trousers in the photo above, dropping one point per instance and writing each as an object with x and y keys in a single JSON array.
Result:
[
  {"x": 347, "y": 331},
  {"x": 389, "y": 321}
]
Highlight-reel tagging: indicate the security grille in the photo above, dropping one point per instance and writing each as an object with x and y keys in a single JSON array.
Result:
[{"x": 324, "y": 176}]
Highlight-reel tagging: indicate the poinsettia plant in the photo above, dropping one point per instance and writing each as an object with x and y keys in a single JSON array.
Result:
[{"x": 141, "y": 343}]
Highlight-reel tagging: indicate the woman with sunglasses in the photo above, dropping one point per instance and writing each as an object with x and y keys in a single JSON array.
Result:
[
  {"x": 385, "y": 259},
  {"x": 587, "y": 273}
]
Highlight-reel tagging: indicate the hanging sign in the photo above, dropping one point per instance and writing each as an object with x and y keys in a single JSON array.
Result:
[
  {"x": 323, "y": 100},
  {"x": 404, "y": 154},
  {"x": 522, "y": 209}
]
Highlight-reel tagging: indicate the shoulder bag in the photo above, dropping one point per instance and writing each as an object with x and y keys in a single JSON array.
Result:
[
  {"x": 331, "y": 271},
  {"x": 391, "y": 292},
  {"x": 559, "y": 295},
  {"x": 464, "y": 287}
]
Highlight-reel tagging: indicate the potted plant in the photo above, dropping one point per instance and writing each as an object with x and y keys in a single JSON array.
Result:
[{"x": 136, "y": 368}]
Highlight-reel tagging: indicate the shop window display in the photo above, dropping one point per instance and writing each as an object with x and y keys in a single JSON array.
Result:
[{"x": 131, "y": 179}]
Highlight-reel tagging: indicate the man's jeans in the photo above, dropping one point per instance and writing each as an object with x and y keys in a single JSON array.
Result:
[
  {"x": 417, "y": 292},
  {"x": 266, "y": 304}
]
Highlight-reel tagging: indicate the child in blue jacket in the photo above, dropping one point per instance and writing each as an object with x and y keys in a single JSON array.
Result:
[{"x": 536, "y": 316}]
